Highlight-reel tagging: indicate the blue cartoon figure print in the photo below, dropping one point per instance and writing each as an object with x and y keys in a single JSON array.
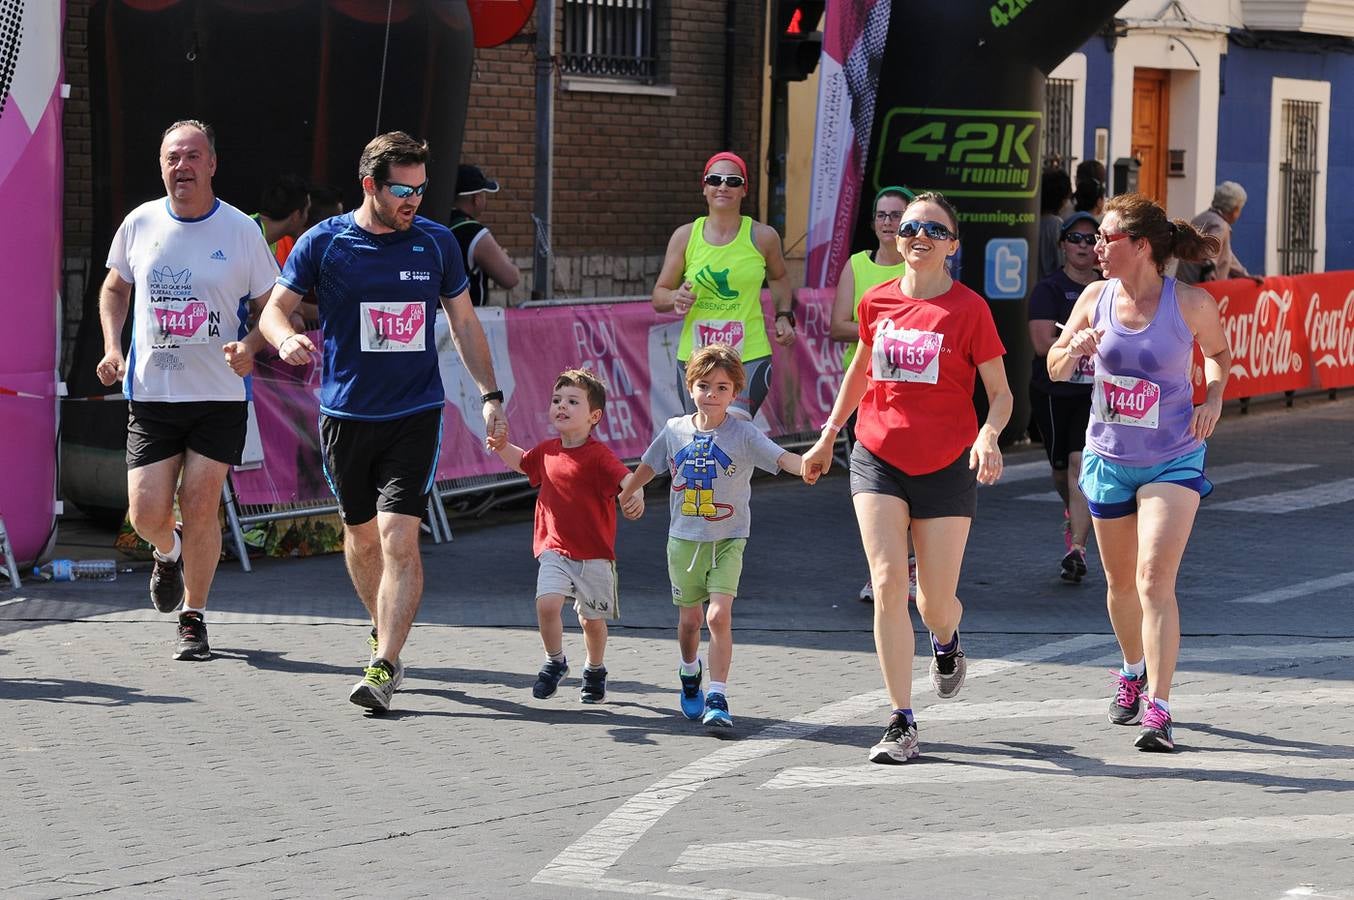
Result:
[{"x": 698, "y": 465}]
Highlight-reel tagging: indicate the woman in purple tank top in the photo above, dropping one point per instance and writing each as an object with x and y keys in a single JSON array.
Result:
[{"x": 1143, "y": 468}]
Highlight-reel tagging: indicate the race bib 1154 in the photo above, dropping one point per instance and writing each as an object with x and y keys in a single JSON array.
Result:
[{"x": 393, "y": 327}]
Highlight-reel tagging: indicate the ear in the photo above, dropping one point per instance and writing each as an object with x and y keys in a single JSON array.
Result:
[
  {"x": 368, "y": 185},
  {"x": 594, "y": 416}
]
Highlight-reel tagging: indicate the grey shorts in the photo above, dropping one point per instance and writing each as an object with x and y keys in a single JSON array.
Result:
[
  {"x": 590, "y": 583},
  {"x": 951, "y": 491}
]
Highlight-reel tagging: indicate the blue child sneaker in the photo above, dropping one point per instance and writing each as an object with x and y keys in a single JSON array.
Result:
[
  {"x": 717, "y": 712},
  {"x": 693, "y": 698}
]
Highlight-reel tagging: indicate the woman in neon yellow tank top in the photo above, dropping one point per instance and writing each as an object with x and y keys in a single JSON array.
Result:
[{"x": 712, "y": 275}]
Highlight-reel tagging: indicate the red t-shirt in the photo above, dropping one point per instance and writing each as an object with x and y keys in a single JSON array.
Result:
[
  {"x": 576, "y": 508},
  {"x": 917, "y": 413}
]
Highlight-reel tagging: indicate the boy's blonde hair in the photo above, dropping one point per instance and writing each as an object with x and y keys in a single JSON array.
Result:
[
  {"x": 716, "y": 356},
  {"x": 587, "y": 382}
]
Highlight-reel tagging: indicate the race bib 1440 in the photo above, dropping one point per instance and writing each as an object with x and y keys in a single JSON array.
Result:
[
  {"x": 1125, "y": 400},
  {"x": 393, "y": 327},
  {"x": 905, "y": 354}
]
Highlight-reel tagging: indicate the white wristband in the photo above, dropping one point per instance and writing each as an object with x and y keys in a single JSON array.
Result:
[{"x": 832, "y": 426}]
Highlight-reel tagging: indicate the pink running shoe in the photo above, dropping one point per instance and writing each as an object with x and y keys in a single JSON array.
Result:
[
  {"x": 1156, "y": 731},
  {"x": 1129, "y": 704}
]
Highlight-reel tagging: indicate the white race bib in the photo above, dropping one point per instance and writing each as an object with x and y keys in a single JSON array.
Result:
[
  {"x": 705, "y": 332},
  {"x": 1125, "y": 400},
  {"x": 905, "y": 354},
  {"x": 178, "y": 323},
  {"x": 1084, "y": 373},
  {"x": 393, "y": 327}
]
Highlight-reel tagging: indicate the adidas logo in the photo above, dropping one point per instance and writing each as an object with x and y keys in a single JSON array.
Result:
[{"x": 218, "y": 255}]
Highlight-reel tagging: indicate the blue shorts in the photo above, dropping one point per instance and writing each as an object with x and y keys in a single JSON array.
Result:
[{"x": 1112, "y": 490}]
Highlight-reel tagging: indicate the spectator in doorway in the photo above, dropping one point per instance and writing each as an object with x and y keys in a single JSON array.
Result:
[
  {"x": 1089, "y": 196},
  {"x": 1055, "y": 191},
  {"x": 485, "y": 260},
  {"x": 1229, "y": 198}
]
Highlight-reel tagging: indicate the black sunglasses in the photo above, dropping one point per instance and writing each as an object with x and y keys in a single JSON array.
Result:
[
  {"x": 1080, "y": 237},
  {"x": 934, "y": 230},
  {"x": 403, "y": 191},
  {"x": 714, "y": 179}
]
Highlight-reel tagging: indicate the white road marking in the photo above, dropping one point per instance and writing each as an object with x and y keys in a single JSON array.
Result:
[
  {"x": 1313, "y": 891},
  {"x": 585, "y": 862},
  {"x": 1308, "y": 650},
  {"x": 1301, "y": 589},
  {"x": 15, "y": 600},
  {"x": 231, "y": 617},
  {"x": 1293, "y": 501},
  {"x": 963, "y": 711},
  {"x": 1022, "y": 472},
  {"x": 1121, "y": 838},
  {"x": 1219, "y": 475}
]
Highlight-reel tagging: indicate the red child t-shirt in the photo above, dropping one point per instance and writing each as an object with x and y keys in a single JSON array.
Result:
[
  {"x": 576, "y": 506},
  {"x": 917, "y": 413}
]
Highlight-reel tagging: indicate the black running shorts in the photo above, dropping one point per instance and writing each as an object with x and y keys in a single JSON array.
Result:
[
  {"x": 386, "y": 466},
  {"x": 1062, "y": 424},
  {"x": 951, "y": 491},
  {"x": 215, "y": 429}
]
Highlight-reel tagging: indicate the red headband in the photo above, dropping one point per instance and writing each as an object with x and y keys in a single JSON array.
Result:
[{"x": 731, "y": 157}]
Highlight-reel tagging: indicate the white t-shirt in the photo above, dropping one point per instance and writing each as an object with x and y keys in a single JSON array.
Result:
[{"x": 193, "y": 280}]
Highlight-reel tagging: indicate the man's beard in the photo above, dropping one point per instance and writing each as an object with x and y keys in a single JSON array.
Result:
[{"x": 391, "y": 218}]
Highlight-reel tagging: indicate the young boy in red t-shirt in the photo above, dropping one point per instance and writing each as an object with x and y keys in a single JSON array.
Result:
[{"x": 575, "y": 531}]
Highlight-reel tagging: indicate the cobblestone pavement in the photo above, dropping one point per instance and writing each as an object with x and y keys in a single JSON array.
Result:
[{"x": 128, "y": 775}]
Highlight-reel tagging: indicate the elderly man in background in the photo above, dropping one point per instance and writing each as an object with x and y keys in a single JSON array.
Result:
[{"x": 1229, "y": 198}]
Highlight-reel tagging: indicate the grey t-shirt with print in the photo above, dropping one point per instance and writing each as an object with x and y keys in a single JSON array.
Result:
[{"x": 711, "y": 475}]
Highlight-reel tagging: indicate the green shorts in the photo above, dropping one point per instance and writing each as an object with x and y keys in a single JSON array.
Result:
[{"x": 698, "y": 569}]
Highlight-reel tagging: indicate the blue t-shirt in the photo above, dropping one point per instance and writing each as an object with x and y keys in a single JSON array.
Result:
[{"x": 378, "y": 296}]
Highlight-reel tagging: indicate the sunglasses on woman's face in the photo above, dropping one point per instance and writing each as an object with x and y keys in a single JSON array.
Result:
[
  {"x": 1080, "y": 237},
  {"x": 714, "y": 179},
  {"x": 934, "y": 230}
]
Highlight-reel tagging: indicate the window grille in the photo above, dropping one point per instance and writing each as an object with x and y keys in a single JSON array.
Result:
[
  {"x": 1058, "y": 123},
  {"x": 610, "y": 39},
  {"x": 1298, "y": 175}
]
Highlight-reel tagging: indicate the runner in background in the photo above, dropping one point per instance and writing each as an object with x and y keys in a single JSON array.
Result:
[
  {"x": 712, "y": 274},
  {"x": 1061, "y": 411},
  {"x": 863, "y": 271},
  {"x": 1143, "y": 469}
]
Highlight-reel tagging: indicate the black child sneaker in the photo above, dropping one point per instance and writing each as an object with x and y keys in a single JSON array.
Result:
[
  {"x": 548, "y": 679},
  {"x": 166, "y": 581},
  {"x": 594, "y": 685},
  {"x": 192, "y": 637}
]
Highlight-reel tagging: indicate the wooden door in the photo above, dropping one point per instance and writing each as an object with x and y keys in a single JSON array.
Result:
[{"x": 1151, "y": 128}]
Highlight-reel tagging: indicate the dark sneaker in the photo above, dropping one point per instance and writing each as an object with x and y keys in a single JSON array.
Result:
[
  {"x": 1129, "y": 704},
  {"x": 693, "y": 698},
  {"x": 867, "y": 592},
  {"x": 948, "y": 669},
  {"x": 1073, "y": 566},
  {"x": 1156, "y": 731},
  {"x": 548, "y": 679},
  {"x": 192, "y": 637},
  {"x": 166, "y": 581},
  {"x": 376, "y": 687},
  {"x": 899, "y": 743},
  {"x": 594, "y": 685},
  {"x": 716, "y": 712}
]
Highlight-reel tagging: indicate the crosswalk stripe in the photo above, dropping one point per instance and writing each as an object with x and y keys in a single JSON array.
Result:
[
  {"x": 1126, "y": 838},
  {"x": 1294, "y": 501},
  {"x": 1072, "y": 708},
  {"x": 1218, "y": 475},
  {"x": 1191, "y": 654},
  {"x": 1301, "y": 589}
]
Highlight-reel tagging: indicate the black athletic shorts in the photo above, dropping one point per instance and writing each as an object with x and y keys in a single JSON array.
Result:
[
  {"x": 215, "y": 429},
  {"x": 386, "y": 466},
  {"x": 951, "y": 491},
  {"x": 1062, "y": 424}
]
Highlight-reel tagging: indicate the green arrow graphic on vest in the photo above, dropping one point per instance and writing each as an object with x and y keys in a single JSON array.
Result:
[{"x": 718, "y": 282}]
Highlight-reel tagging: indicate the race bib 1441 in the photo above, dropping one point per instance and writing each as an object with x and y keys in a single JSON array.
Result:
[
  {"x": 905, "y": 354},
  {"x": 179, "y": 322},
  {"x": 393, "y": 327},
  {"x": 1125, "y": 400}
]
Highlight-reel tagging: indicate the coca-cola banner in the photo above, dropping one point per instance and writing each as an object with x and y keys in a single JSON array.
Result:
[{"x": 1328, "y": 322}]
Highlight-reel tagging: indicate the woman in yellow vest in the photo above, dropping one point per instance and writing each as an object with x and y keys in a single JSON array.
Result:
[
  {"x": 712, "y": 275},
  {"x": 863, "y": 271}
]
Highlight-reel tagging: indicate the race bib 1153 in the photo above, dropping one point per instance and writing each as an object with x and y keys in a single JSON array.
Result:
[{"x": 905, "y": 354}]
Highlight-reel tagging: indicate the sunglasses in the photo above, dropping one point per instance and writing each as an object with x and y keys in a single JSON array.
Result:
[
  {"x": 1111, "y": 238},
  {"x": 1081, "y": 237},
  {"x": 934, "y": 230},
  {"x": 886, "y": 216},
  {"x": 403, "y": 191},
  {"x": 714, "y": 179}
]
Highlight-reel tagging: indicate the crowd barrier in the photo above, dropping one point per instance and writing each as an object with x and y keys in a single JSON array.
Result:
[{"x": 1286, "y": 334}]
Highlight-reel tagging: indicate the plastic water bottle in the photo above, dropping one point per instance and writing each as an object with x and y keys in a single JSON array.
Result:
[{"x": 78, "y": 570}]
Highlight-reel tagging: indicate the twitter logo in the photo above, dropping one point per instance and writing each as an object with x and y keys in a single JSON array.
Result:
[{"x": 1007, "y": 268}]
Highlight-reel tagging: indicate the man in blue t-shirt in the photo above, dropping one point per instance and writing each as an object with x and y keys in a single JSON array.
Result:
[{"x": 378, "y": 274}]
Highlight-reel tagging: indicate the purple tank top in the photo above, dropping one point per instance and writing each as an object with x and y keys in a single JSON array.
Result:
[{"x": 1143, "y": 400}]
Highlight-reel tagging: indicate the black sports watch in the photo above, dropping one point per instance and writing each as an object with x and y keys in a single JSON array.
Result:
[
  {"x": 492, "y": 395},
  {"x": 787, "y": 314}
]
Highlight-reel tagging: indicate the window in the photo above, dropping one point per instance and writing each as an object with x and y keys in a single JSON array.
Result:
[
  {"x": 1298, "y": 174},
  {"x": 610, "y": 39},
  {"x": 1058, "y": 106}
]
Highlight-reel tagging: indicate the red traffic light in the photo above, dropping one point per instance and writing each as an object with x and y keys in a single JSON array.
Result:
[{"x": 793, "y": 27}]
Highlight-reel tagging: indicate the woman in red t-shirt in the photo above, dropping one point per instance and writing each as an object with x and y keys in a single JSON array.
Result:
[{"x": 919, "y": 451}]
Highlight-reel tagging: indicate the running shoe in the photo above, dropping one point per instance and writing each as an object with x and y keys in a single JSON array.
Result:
[
  {"x": 899, "y": 743},
  {"x": 948, "y": 669},
  {"x": 594, "y": 685},
  {"x": 867, "y": 592},
  {"x": 376, "y": 687},
  {"x": 1067, "y": 530},
  {"x": 1156, "y": 731},
  {"x": 373, "y": 643},
  {"x": 1129, "y": 704},
  {"x": 716, "y": 712},
  {"x": 192, "y": 643},
  {"x": 399, "y": 666},
  {"x": 1073, "y": 566},
  {"x": 548, "y": 679},
  {"x": 166, "y": 580},
  {"x": 693, "y": 698}
]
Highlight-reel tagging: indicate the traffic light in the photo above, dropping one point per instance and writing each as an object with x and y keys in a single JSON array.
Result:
[{"x": 798, "y": 42}]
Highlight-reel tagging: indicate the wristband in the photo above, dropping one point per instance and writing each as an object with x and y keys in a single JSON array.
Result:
[
  {"x": 787, "y": 314},
  {"x": 829, "y": 424},
  {"x": 285, "y": 339},
  {"x": 491, "y": 396}
]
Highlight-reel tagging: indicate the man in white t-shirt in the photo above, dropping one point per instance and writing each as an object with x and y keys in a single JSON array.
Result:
[{"x": 196, "y": 264}]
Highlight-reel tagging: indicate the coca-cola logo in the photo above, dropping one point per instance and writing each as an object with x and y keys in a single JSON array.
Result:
[
  {"x": 1261, "y": 340},
  {"x": 1331, "y": 333}
]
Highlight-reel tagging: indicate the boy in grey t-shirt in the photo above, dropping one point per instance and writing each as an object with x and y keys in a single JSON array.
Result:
[{"x": 711, "y": 456}]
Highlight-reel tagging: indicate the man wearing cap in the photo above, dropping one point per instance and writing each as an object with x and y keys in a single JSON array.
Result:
[{"x": 484, "y": 258}]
